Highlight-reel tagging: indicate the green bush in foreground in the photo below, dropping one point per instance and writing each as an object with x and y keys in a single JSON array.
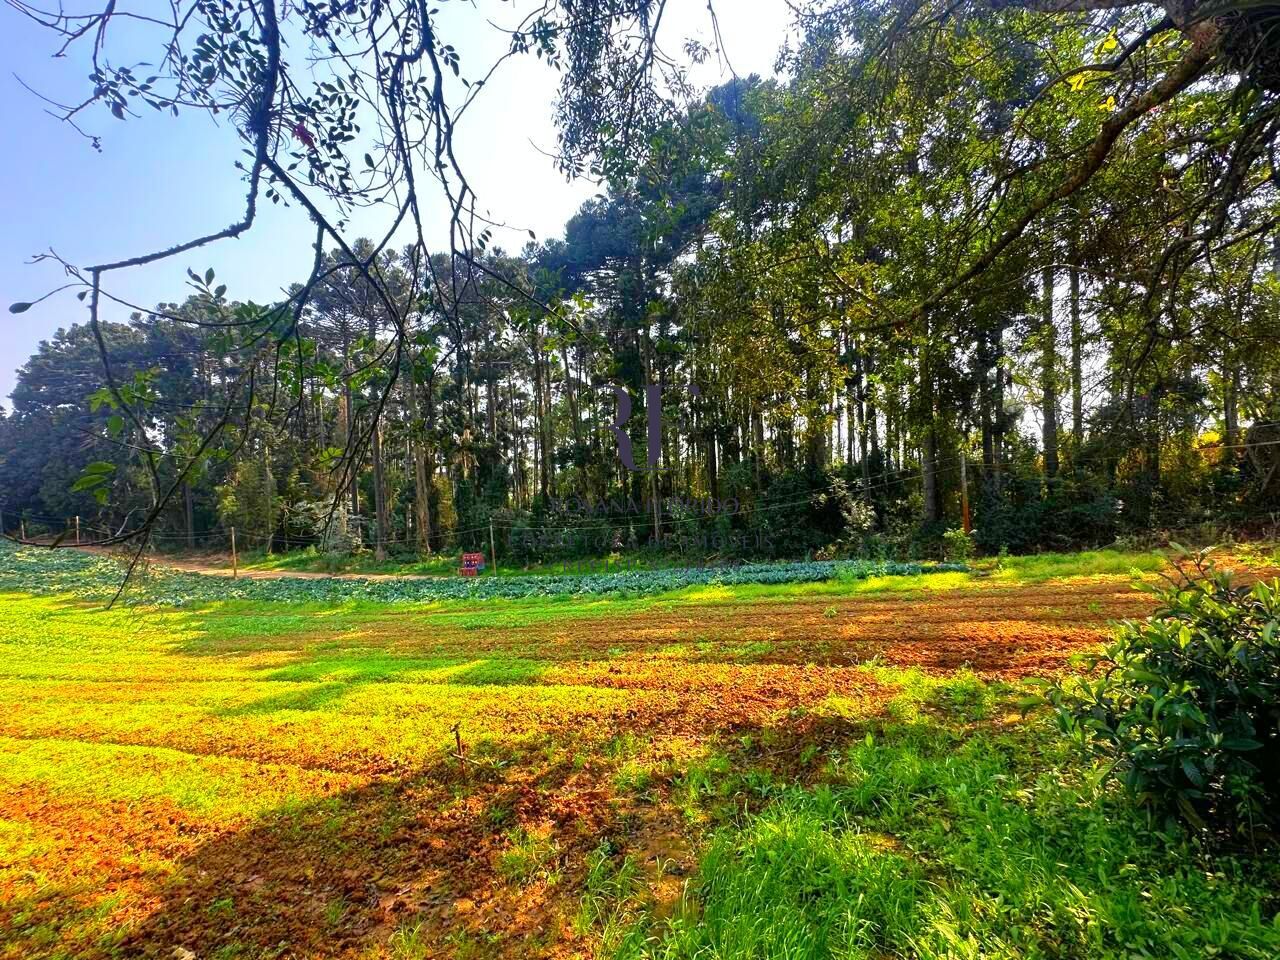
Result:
[{"x": 1187, "y": 707}]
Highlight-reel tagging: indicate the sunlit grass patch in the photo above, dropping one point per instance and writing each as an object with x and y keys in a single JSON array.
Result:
[
  {"x": 613, "y": 897},
  {"x": 958, "y": 697},
  {"x": 793, "y": 883},
  {"x": 711, "y": 593},
  {"x": 844, "y": 708},
  {"x": 351, "y": 726},
  {"x": 634, "y": 777},
  {"x": 226, "y": 788},
  {"x": 1035, "y": 568},
  {"x": 530, "y": 852},
  {"x": 354, "y": 666}
]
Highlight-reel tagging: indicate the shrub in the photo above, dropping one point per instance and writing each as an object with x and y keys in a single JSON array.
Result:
[
  {"x": 957, "y": 546},
  {"x": 1187, "y": 707}
]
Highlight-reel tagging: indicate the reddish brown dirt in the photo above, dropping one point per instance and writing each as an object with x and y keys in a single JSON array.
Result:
[
  {"x": 114, "y": 849},
  {"x": 219, "y": 565},
  {"x": 336, "y": 880},
  {"x": 996, "y": 631}
]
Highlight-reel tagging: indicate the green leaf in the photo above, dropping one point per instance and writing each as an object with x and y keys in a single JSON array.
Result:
[
  {"x": 100, "y": 467},
  {"x": 1241, "y": 744},
  {"x": 1190, "y": 813},
  {"x": 1193, "y": 773},
  {"x": 101, "y": 398}
]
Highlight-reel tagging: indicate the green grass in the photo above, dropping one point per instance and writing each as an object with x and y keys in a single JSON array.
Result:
[
  {"x": 146, "y": 747},
  {"x": 311, "y": 560},
  {"x": 1036, "y": 568},
  {"x": 529, "y": 854},
  {"x": 925, "y": 839}
]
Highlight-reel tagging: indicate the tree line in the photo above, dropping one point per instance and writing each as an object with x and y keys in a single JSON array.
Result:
[{"x": 899, "y": 290}]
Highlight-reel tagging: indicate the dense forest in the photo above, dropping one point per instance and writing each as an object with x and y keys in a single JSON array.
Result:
[{"x": 853, "y": 308}]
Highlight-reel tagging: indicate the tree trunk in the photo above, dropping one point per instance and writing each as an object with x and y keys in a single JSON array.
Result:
[
  {"x": 1048, "y": 379},
  {"x": 544, "y": 421},
  {"x": 862, "y": 408},
  {"x": 1231, "y": 409},
  {"x": 987, "y": 369},
  {"x": 855, "y": 431},
  {"x": 188, "y": 510},
  {"x": 870, "y": 415},
  {"x": 1077, "y": 362},
  {"x": 999, "y": 420},
  {"x": 491, "y": 406},
  {"x": 931, "y": 489},
  {"x": 541, "y": 387},
  {"x": 713, "y": 466},
  {"x": 571, "y": 397},
  {"x": 347, "y": 411},
  {"x": 929, "y": 475},
  {"x": 379, "y": 479},
  {"x": 421, "y": 475},
  {"x": 381, "y": 519}
]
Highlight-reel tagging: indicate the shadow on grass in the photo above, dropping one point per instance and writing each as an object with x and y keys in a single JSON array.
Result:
[
  {"x": 423, "y": 857},
  {"x": 418, "y": 858},
  {"x": 332, "y": 678},
  {"x": 317, "y": 879}
]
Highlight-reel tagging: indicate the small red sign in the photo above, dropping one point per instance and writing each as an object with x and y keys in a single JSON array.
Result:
[{"x": 472, "y": 563}]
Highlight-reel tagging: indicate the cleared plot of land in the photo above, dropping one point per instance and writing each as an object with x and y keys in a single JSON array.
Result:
[{"x": 246, "y": 781}]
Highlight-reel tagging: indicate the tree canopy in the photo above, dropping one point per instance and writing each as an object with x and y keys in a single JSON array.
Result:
[{"x": 1019, "y": 253}]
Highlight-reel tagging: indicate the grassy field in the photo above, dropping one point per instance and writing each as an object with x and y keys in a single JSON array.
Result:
[{"x": 830, "y": 769}]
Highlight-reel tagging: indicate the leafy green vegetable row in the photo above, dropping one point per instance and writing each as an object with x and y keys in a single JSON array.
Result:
[{"x": 73, "y": 572}]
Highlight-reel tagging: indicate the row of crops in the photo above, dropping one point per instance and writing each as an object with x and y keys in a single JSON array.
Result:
[{"x": 98, "y": 577}]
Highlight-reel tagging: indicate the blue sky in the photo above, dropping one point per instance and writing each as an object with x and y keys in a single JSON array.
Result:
[{"x": 161, "y": 180}]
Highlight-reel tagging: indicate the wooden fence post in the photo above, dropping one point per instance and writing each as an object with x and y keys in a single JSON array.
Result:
[
  {"x": 235, "y": 562},
  {"x": 493, "y": 552},
  {"x": 77, "y": 531}
]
